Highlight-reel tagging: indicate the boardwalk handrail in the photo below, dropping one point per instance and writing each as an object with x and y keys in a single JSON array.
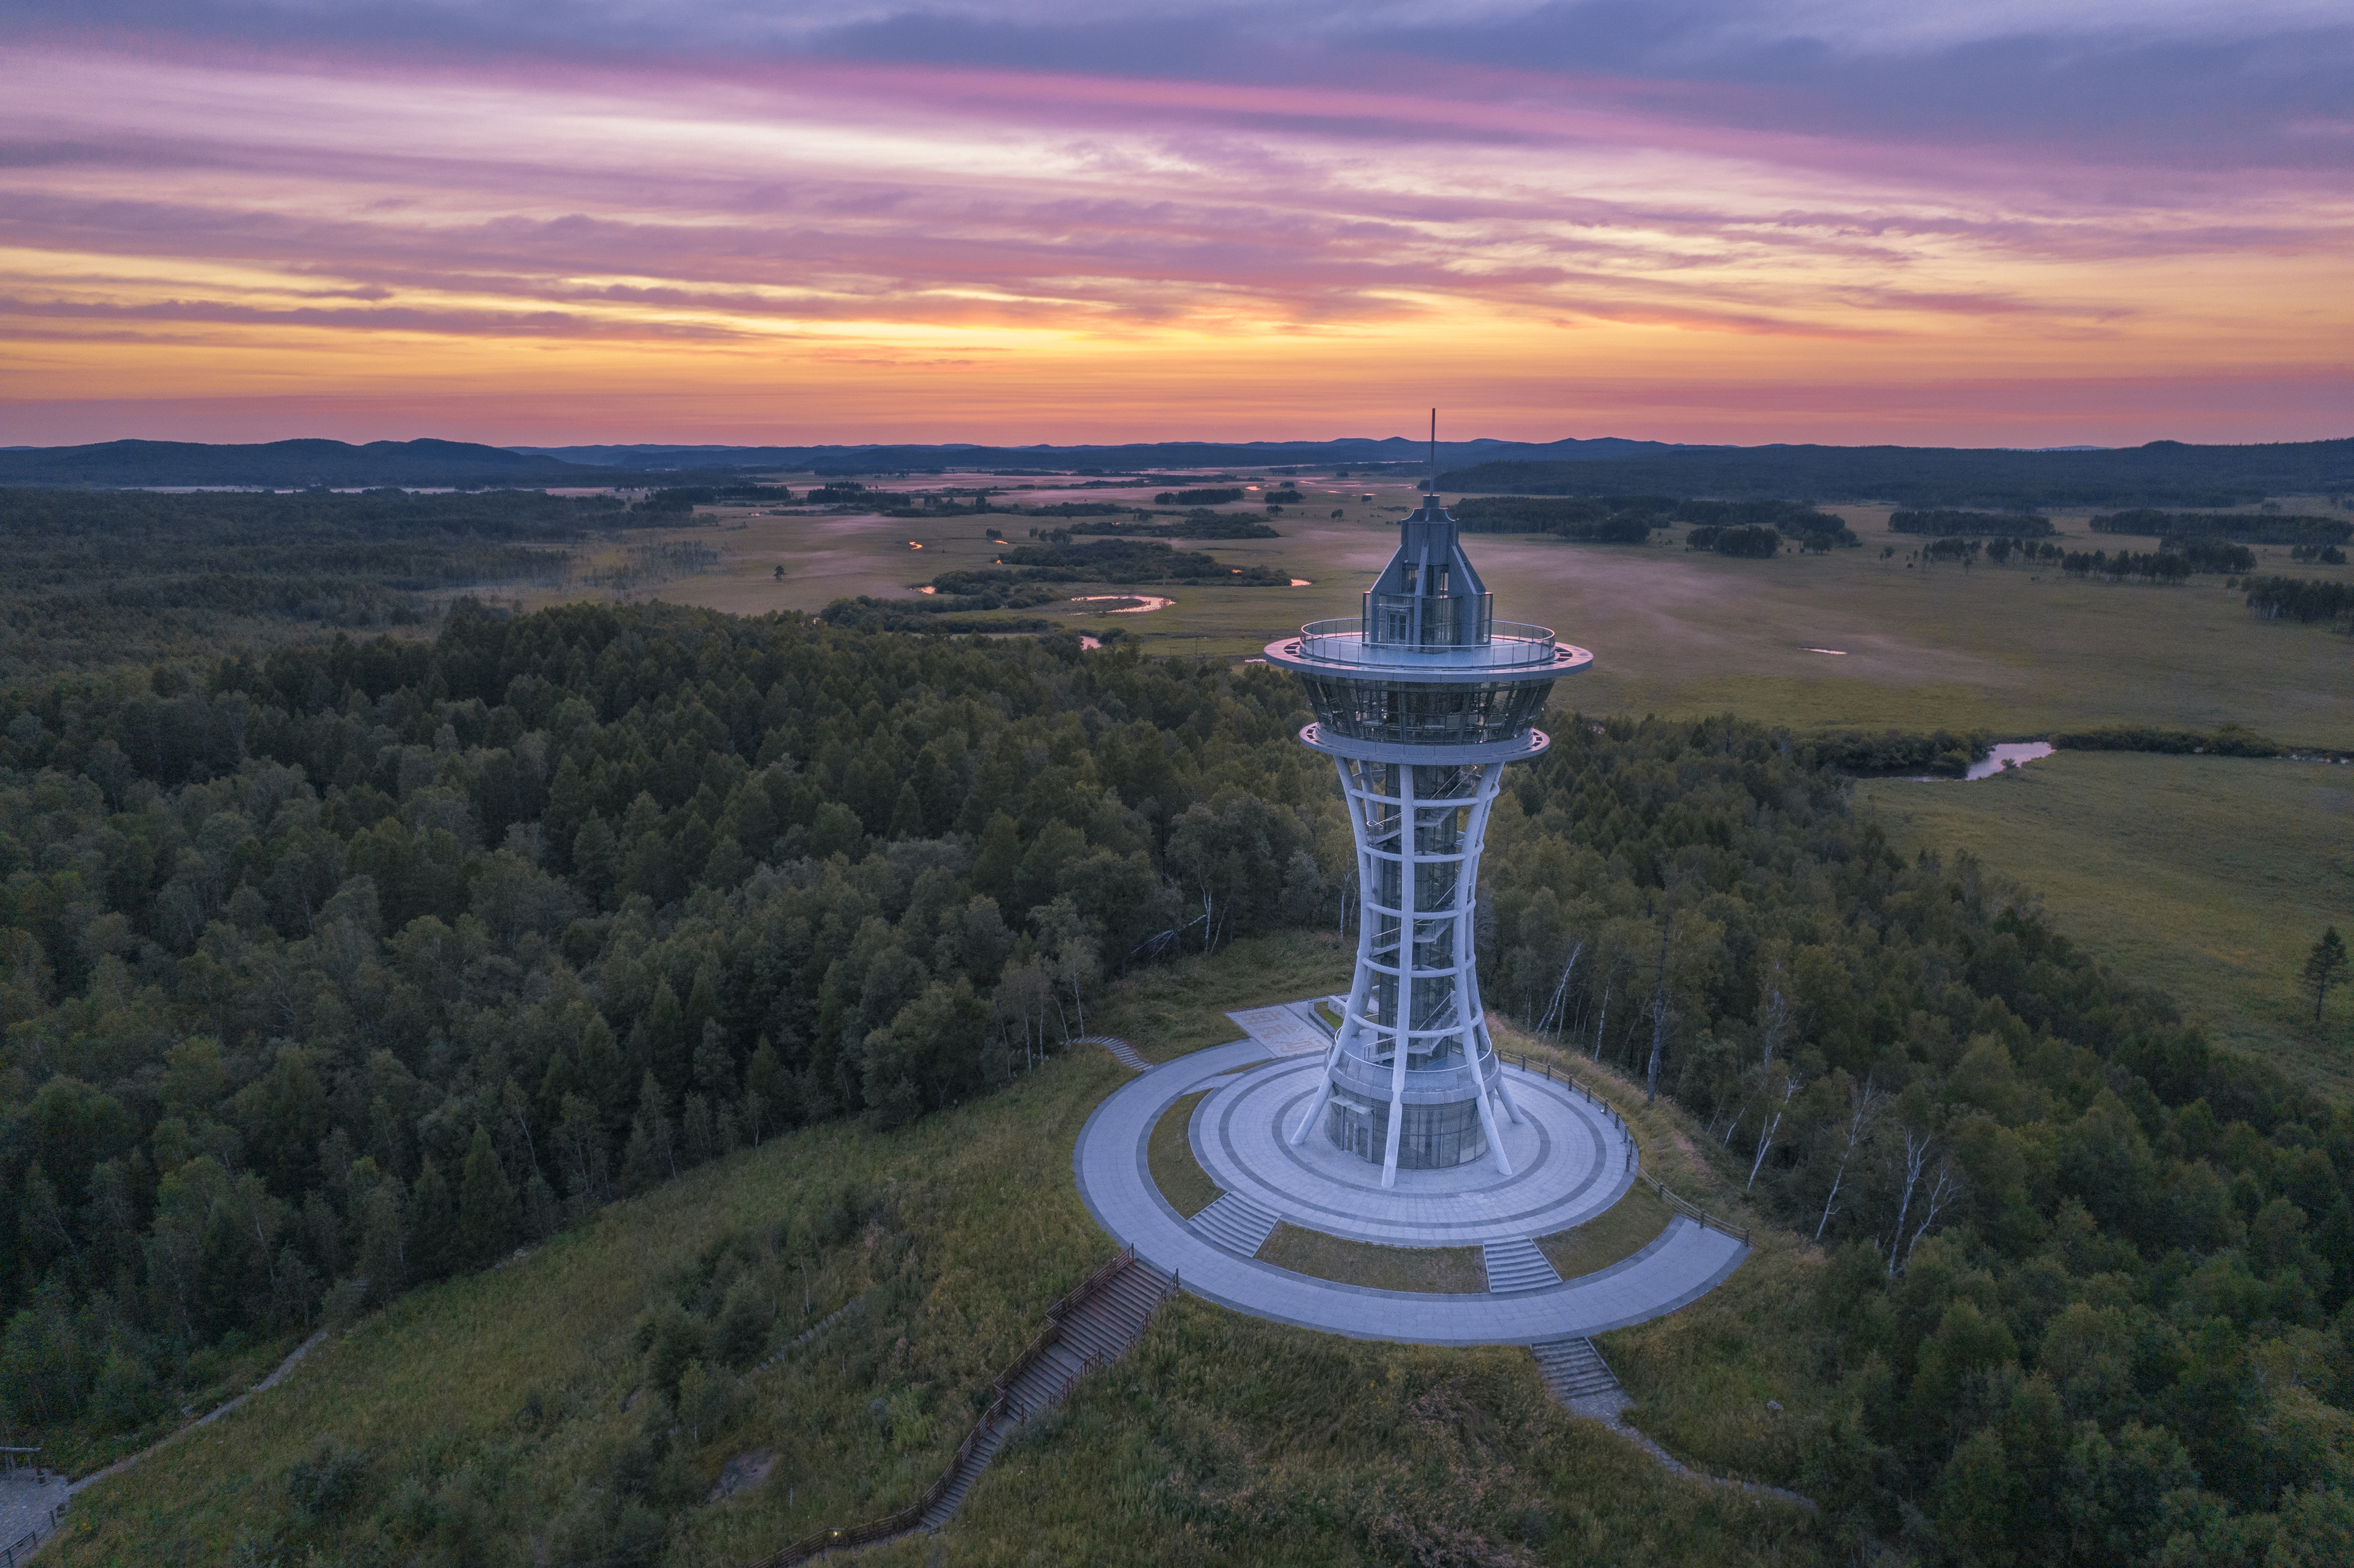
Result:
[
  {"x": 1694, "y": 1211},
  {"x": 1691, "y": 1211},
  {"x": 1001, "y": 1389},
  {"x": 21, "y": 1550}
]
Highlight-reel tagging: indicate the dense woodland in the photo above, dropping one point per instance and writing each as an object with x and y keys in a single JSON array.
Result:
[
  {"x": 331, "y": 968},
  {"x": 91, "y": 579},
  {"x": 1750, "y": 543},
  {"x": 366, "y": 962},
  {"x": 2247, "y": 528},
  {"x": 2302, "y": 598},
  {"x": 2158, "y": 474},
  {"x": 1628, "y": 520}
]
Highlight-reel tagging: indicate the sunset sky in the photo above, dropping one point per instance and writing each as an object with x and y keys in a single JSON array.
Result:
[{"x": 1047, "y": 220}]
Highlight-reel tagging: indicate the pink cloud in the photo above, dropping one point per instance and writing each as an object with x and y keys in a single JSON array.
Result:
[{"x": 902, "y": 214}]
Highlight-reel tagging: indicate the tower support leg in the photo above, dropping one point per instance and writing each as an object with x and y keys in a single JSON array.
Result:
[
  {"x": 1504, "y": 1089},
  {"x": 1495, "y": 1134},
  {"x": 1352, "y": 1020},
  {"x": 1409, "y": 831}
]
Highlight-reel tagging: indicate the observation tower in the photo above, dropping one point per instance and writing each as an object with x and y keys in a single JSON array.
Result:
[{"x": 1420, "y": 701}]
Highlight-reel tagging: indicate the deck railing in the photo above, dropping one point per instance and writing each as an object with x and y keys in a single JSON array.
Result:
[
  {"x": 1512, "y": 645},
  {"x": 22, "y": 1549},
  {"x": 1691, "y": 1211}
]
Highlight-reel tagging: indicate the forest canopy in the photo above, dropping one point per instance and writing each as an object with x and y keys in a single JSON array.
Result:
[
  {"x": 91, "y": 579},
  {"x": 2248, "y": 527}
]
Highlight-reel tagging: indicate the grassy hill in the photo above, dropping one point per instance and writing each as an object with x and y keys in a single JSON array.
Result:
[{"x": 511, "y": 1417}]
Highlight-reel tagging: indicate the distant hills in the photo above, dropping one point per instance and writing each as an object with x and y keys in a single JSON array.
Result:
[
  {"x": 1132, "y": 458},
  {"x": 2162, "y": 474},
  {"x": 289, "y": 465}
]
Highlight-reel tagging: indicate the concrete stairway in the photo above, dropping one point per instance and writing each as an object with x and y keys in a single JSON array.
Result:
[
  {"x": 1237, "y": 1224},
  {"x": 1121, "y": 1050},
  {"x": 1097, "y": 1332},
  {"x": 1580, "y": 1378},
  {"x": 1517, "y": 1265},
  {"x": 855, "y": 1304}
]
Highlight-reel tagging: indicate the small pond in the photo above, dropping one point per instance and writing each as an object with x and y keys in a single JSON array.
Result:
[{"x": 1998, "y": 759}]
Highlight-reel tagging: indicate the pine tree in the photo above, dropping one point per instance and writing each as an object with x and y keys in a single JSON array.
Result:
[
  {"x": 764, "y": 1091},
  {"x": 999, "y": 855},
  {"x": 569, "y": 807},
  {"x": 668, "y": 1044},
  {"x": 715, "y": 1066},
  {"x": 596, "y": 859},
  {"x": 486, "y": 1203},
  {"x": 653, "y": 1152},
  {"x": 2324, "y": 967},
  {"x": 702, "y": 1136},
  {"x": 908, "y": 814},
  {"x": 541, "y": 1217},
  {"x": 431, "y": 1220},
  {"x": 702, "y": 1001}
]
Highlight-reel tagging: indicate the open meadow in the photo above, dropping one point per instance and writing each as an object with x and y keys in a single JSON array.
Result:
[
  {"x": 1852, "y": 637},
  {"x": 2207, "y": 876}
]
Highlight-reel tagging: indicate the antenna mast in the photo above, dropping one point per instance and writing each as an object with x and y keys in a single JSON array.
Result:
[{"x": 1434, "y": 452}]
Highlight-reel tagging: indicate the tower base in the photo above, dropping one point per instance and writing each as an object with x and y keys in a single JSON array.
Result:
[{"x": 1433, "y": 1138}]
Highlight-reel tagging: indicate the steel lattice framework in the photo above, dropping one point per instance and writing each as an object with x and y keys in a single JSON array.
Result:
[{"x": 1420, "y": 701}]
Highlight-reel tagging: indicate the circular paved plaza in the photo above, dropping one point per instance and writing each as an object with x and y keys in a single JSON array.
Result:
[{"x": 1569, "y": 1162}]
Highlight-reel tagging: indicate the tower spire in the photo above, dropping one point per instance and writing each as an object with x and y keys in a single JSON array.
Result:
[{"x": 1434, "y": 457}]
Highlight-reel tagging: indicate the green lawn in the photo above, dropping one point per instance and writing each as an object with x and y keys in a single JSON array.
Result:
[
  {"x": 1621, "y": 1230},
  {"x": 2207, "y": 876},
  {"x": 1169, "y": 1010},
  {"x": 1169, "y": 1155},
  {"x": 1433, "y": 1270}
]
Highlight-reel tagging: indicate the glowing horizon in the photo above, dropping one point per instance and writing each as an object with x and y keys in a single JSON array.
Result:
[{"x": 875, "y": 227}]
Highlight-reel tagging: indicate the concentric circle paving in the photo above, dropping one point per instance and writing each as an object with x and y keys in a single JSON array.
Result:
[
  {"x": 1569, "y": 1163},
  {"x": 1115, "y": 1181}
]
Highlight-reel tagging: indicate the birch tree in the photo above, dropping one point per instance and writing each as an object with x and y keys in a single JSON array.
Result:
[{"x": 1864, "y": 1112}]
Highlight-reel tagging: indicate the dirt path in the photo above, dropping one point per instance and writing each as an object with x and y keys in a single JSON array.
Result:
[{"x": 116, "y": 1468}]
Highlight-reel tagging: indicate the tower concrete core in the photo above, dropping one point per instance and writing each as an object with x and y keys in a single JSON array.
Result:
[{"x": 1420, "y": 701}]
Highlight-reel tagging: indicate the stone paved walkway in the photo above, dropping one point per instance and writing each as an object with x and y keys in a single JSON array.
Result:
[
  {"x": 1682, "y": 1265},
  {"x": 26, "y": 1506}
]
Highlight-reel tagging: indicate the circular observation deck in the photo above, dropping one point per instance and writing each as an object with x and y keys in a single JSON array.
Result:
[
  {"x": 1514, "y": 652},
  {"x": 1434, "y": 703}
]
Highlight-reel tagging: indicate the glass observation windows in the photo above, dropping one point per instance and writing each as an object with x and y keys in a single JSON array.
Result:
[
  {"x": 1431, "y": 1138},
  {"x": 1432, "y": 620},
  {"x": 1419, "y": 714}
]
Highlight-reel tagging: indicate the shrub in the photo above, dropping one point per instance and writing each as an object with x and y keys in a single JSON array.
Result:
[{"x": 326, "y": 1485}]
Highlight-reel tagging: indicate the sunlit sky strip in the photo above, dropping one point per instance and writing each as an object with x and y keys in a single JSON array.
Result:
[{"x": 1050, "y": 222}]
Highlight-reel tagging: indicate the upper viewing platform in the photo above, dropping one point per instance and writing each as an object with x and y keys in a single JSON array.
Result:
[
  {"x": 1510, "y": 648},
  {"x": 1429, "y": 619}
]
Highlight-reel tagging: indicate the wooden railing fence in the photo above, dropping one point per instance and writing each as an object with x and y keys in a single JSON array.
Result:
[
  {"x": 1691, "y": 1211},
  {"x": 1694, "y": 1211},
  {"x": 24, "y": 1545}
]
